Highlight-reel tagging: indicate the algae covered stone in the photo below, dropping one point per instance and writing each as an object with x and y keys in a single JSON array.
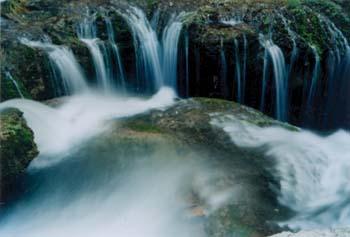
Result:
[{"x": 17, "y": 149}]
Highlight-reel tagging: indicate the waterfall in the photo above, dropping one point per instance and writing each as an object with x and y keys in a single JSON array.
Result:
[
  {"x": 87, "y": 33},
  {"x": 238, "y": 78},
  {"x": 156, "y": 60},
  {"x": 338, "y": 87},
  {"x": 9, "y": 77},
  {"x": 66, "y": 68},
  {"x": 170, "y": 41},
  {"x": 279, "y": 71},
  {"x": 147, "y": 46},
  {"x": 116, "y": 53},
  {"x": 314, "y": 80}
]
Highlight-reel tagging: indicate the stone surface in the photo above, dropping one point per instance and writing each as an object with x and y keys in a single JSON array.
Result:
[{"x": 17, "y": 150}]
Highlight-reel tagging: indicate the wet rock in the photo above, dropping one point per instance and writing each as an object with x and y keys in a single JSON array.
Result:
[
  {"x": 16, "y": 152},
  {"x": 241, "y": 199}
]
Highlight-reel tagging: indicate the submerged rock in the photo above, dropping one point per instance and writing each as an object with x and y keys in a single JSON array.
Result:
[
  {"x": 17, "y": 150},
  {"x": 240, "y": 201}
]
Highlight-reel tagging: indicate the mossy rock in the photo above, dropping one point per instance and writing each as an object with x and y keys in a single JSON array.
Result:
[{"x": 17, "y": 149}]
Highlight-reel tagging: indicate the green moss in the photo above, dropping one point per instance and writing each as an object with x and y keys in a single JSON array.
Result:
[
  {"x": 17, "y": 148},
  {"x": 293, "y": 3},
  {"x": 141, "y": 126},
  {"x": 309, "y": 28}
]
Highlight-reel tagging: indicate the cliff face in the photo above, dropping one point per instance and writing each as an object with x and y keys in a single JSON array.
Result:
[
  {"x": 216, "y": 30},
  {"x": 16, "y": 152}
]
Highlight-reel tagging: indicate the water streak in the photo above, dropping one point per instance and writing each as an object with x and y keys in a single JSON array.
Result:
[
  {"x": 116, "y": 52},
  {"x": 279, "y": 71},
  {"x": 87, "y": 33},
  {"x": 314, "y": 80},
  {"x": 147, "y": 46},
  {"x": 64, "y": 64},
  {"x": 170, "y": 41},
  {"x": 9, "y": 76},
  {"x": 238, "y": 77}
]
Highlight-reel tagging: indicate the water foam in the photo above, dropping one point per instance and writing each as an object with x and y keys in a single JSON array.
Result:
[{"x": 312, "y": 170}]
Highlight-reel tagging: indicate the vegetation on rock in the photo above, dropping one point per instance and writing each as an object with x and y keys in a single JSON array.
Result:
[{"x": 17, "y": 149}]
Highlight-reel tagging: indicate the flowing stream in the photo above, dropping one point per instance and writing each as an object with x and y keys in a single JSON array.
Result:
[
  {"x": 311, "y": 170},
  {"x": 275, "y": 54},
  {"x": 87, "y": 33}
]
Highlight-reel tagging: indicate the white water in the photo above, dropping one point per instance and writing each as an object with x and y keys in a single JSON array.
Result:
[
  {"x": 312, "y": 170},
  {"x": 65, "y": 65},
  {"x": 280, "y": 77},
  {"x": 9, "y": 76},
  {"x": 233, "y": 21},
  {"x": 147, "y": 199},
  {"x": 147, "y": 46},
  {"x": 170, "y": 41},
  {"x": 58, "y": 130},
  {"x": 87, "y": 33},
  {"x": 156, "y": 59},
  {"x": 94, "y": 194}
]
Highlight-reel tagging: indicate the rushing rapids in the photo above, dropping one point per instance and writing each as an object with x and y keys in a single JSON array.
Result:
[{"x": 311, "y": 170}]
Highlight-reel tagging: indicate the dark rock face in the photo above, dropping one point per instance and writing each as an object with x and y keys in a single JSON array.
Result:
[{"x": 17, "y": 150}]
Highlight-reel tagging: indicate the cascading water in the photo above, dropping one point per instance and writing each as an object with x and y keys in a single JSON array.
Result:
[
  {"x": 276, "y": 56},
  {"x": 170, "y": 41},
  {"x": 338, "y": 73},
  {"x": 157, "y": 61},
  {"x": 115, "y": 48},
  {"x": 238, "y": 77},
  {"x": 311, "y": 170},
  {"x": 87, "y": 33},
  {"x": 66, "y": 68},
  {"x": 9, "y": 77},
  {"x": 147, "y": 46}
]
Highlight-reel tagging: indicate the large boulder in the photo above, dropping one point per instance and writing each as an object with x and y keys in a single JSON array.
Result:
[
  {"x": 243, "y": 204},
  {"x": 17, "y": 150}
]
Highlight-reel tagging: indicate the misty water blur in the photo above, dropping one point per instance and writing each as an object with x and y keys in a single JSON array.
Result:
[{"x": 312, "y": 170}]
